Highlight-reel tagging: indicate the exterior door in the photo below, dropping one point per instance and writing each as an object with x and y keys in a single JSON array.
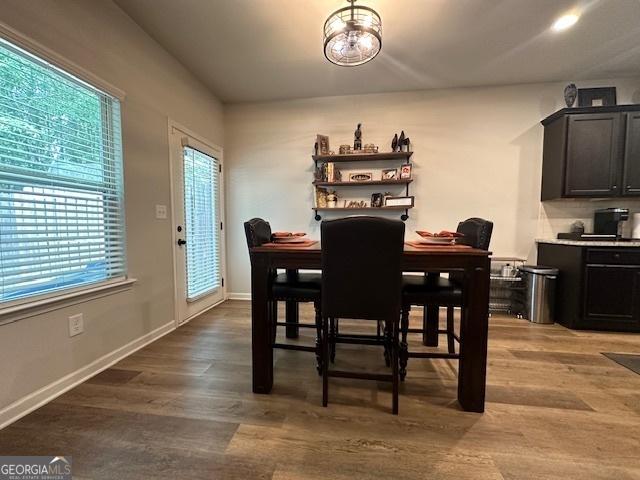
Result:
[{"x": 197, "y": 216}]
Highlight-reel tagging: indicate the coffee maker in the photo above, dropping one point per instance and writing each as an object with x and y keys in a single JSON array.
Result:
[{"x": 608, "y": 221}]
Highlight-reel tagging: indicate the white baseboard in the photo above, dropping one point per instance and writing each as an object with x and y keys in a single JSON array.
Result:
[
  {"x": 34, "y": 400},
  {"x": 238, "y": 296}
]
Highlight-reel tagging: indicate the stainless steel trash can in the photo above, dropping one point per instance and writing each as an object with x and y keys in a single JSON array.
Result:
[{"x": 540, "y": 285}]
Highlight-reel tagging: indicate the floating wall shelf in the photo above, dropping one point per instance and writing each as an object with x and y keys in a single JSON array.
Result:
[{"x": 363, "y": 157}]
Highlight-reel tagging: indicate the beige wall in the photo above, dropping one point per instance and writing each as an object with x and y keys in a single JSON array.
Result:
[
  {"x": 99, "y": 37},
  {"x": 478, "y": 152}
]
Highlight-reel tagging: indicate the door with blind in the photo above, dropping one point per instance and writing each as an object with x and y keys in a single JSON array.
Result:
[{"x": 198, "y": 225}]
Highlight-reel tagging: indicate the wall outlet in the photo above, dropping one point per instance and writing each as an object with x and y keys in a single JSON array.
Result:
[
  {"x": 76, "y": 324},
  {"x": 161, "y": 212}
]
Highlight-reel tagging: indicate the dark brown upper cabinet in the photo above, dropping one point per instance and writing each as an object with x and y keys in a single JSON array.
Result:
[
  {"x": 591, "y": 152},
  {"x": 631, "y": 171}
]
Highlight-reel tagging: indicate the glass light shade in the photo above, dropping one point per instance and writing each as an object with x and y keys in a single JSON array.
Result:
[{"x": 352, "y": 36}]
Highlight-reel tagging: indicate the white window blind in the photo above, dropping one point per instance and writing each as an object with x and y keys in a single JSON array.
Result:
[
  {"x": 202, "y": 220},
  {"x": 61, "y": 193}
]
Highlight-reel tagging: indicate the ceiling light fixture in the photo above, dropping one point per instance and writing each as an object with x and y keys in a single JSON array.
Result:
[
  {"x": 564, "y": 22},
  {"x": 352, "y": 35}
]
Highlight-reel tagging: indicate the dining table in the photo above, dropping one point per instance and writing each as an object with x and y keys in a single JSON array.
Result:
[{"x": 473, "y": 263}]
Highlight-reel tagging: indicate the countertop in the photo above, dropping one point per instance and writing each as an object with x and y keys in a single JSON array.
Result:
[{"x": 588, "y": 243}]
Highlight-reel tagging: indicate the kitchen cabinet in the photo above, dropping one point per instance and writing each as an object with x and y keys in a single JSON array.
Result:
[
  {"x": 593, "y": 155},
  {"x": 598, "y": 287},
  {"x": 631, "y": 175},
  {"x": 591, "y": 152}
]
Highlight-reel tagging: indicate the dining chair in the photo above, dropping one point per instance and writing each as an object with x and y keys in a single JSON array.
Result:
[
  {"x": 292, "y": 286},
  {"x": 430, "y": 290},
  {"x": 361, "y": 280}
]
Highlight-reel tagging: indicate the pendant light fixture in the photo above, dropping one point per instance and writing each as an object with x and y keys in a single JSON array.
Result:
[{"x": 352, "y": 35}]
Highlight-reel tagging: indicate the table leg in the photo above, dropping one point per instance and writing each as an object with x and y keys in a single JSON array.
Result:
[
  {"x": 261, "y": 349},
  {"x": 474, "y": 326}
]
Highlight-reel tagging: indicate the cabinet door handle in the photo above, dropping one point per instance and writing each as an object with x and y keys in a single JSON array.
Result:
[{"x": 615, "y": 187}]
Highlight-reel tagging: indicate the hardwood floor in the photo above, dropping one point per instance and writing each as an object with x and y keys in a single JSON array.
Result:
[{"x": 183, "y": 408}]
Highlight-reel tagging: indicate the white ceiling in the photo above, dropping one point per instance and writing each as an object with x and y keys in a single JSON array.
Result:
[{"x": 254, "y": 50}]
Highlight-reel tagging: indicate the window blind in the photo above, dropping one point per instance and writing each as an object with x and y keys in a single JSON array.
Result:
[
  {"x": 61, "y": 189},
  {"x": 202, "y": 220}
]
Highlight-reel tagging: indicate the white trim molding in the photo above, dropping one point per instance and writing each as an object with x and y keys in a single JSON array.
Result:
[
  {"x": 34, "y": 400},
  {"x": 58, "y": 61},
  {"x": 58, "y": 300},
  {"x": 238, "y": 296}
]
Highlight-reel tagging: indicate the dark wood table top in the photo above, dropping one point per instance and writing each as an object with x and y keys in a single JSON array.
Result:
[{"x": 408, "y": 250}]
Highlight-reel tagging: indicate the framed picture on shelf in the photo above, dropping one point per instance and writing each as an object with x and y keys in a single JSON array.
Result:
[
  {"x": 399, "y": 201},
  {"x": 377, "y": 200},
  {"x": 405, "y": 171},
  {"x": 390, "y": 174},
  {"x": 323, "y": 144},
  {"x": 360, "y": 177},
  {"x": 597, "y": 97}
]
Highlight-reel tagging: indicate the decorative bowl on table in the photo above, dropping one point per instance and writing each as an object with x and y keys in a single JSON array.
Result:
[
  {"x": 443, "y": 237},
  {"x": 289, "y": 237}
]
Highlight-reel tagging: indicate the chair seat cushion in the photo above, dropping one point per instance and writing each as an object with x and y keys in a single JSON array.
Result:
[
  {"x": 300, "y": 287},
  {"x": 419, "y": 289}
]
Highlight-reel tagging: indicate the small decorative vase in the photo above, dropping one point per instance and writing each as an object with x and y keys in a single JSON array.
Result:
[{"x": 570, "y": 94}]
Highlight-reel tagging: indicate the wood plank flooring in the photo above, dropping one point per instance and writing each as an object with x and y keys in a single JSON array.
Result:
[{"x": 182, "y": 408}]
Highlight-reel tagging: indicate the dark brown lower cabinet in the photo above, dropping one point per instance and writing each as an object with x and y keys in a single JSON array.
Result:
[{"x": 598, "y": 288}]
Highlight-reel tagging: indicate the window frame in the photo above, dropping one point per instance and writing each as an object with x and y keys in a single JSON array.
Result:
[{"x": 15, "y": 309}]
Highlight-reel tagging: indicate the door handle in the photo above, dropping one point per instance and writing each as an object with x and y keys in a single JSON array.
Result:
[{"x": 181, "y": 242}]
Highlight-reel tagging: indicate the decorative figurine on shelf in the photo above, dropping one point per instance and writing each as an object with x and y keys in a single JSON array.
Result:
[
  {"x": 332, "y": 199},
  {"x": 394, "y": 143},
  {"x": 401, "y": 139},
  {"x": 406, "y": 145},
  {"x": 357, "y": 142},
  {"x": 570, "y": 94}
]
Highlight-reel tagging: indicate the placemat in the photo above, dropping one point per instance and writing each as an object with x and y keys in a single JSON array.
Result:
[
  {"x": 435, "y": 245},
  {"x": 305, "y": 244}
]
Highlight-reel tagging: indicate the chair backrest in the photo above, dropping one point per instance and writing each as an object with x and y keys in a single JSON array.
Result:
[
  {"x": 257, "y": 231},
  {"x": 477, "y": 232},
  {"x": 362, "y": 268}
]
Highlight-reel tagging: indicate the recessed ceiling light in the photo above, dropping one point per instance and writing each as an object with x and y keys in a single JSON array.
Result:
[{"x": 564, "y": 22}]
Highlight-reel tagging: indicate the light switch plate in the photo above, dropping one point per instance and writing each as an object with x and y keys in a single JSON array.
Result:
[
  {"x": 76, "y": 324},
  {"x": 161, "y": 212}
]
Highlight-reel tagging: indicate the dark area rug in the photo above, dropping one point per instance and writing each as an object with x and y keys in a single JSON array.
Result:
[{"x": 630, "y": 361}]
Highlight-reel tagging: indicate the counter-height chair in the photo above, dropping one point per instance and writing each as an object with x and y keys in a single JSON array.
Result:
[
  {"x": 291, "y": 286},
  {"x": 436, "y": 291},
  {"x": 361, "y": 280}
]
